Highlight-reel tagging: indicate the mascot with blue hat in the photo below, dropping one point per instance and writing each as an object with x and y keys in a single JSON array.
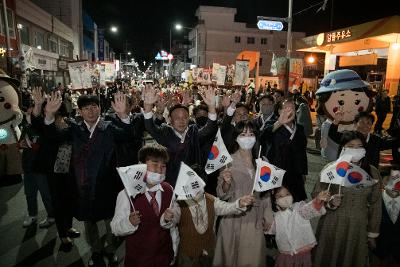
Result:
[
  {"x": 344, "y": 91},
  {"x": 10, "y": 118}
]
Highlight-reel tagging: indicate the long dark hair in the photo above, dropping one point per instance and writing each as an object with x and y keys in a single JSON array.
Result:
[
  {"x": 348, "y": 136},
  {"x": 239, "y": 128}
]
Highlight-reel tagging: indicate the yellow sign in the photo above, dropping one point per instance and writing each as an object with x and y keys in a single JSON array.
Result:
[
  {"x": 2, "y": 51},
  {"x": 337, "y": 36},
  {"x": 345, "y": 61}
]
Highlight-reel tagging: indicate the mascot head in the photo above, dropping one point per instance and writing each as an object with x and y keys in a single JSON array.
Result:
[
  {"x": 343, "y": 90},
  {"x": 9, "y": 109}
]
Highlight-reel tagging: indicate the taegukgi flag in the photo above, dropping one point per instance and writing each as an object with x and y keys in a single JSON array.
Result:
[
  {"x": 267, "y": 177},
  {"x": 218, "y": 156},
  {"x": 188, "y": 184},
  {"x": 335, "y": 172},
  {"x": 133, "y": 178},
  {"x": 357, "y": 177}
]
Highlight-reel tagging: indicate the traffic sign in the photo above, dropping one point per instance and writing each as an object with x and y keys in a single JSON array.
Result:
[{"x": 270, "y": 25}]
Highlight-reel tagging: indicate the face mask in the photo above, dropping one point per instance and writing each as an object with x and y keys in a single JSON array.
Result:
[
  {"x": 246, "y": 142},
  {"x": 356, "y": 153},
  {"x": 201, "y": 121},
  {"x": 267, "y": 110},
  {"x": 154, "y": 178},
  {"x": 285, "y": 202}
]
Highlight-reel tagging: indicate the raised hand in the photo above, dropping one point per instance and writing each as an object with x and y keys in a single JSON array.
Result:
[
  {"x": 226, "y": 101},
  {"x": 53, "y": 104},
  {"x": 150, "y": 95},
  {"x": 119, "y": 105},
  {"x": 209, "y": 97},
  {"x": 236, "y": 96},
  {"x": 38, "y": 96}
]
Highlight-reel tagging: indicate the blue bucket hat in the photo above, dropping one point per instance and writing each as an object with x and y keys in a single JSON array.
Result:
[{"x": 341, "y": 80}]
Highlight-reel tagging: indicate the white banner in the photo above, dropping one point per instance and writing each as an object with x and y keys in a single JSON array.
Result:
[
  {"x": 218, "y": 156},
  {"x": 80, "y": 75},
  {"x": 221, "y": 74},
  {"x": 133, "y": 178},
  {"x": 188, "y": 184},
  {"x": 268, "y": 176},
  {"x": 241, "y": 72}
]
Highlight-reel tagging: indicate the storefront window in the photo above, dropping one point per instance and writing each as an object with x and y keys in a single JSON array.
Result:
[
  {"x": 10, "y": 20},
  {"x": 65, "y": 48},
  {"x": 25, "y": 35},
  {"x": 39, "y": 40},
  {"x": 53, "y": 44}
]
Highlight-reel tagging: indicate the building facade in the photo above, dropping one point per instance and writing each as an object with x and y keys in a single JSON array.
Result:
[
  {"x": 219, "y": 38},
  {"x": 11, "y": 52},
  {"x": 46, "y": 45}
]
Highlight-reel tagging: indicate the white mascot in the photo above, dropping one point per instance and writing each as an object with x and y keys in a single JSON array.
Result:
[{"x": 10, "y": 118}]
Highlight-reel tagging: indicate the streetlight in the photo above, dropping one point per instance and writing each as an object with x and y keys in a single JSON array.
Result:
[
  {"x": 114, "y": 29},
  {"x": 179, "y": 27}
]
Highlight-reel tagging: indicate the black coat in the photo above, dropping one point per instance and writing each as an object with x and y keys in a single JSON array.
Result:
[
  {"x": 190, "y": 151},
  {"x": 93, "y": 165},
  {"x": 290, "y": 155}
]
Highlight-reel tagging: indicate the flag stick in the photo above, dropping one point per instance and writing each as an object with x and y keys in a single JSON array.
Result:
[
  {"x": 329, "y": 186},
  {"x": 256, "y": 176},
  {"x": 130, "y": 200}
]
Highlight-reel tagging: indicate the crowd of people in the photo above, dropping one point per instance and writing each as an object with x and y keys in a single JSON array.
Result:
[{"x": 71, "y": 148}]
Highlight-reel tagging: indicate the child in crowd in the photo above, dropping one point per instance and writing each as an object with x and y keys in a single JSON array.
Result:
[
  {"x": 196, "y": 223},
  {"x": 294, "y": 235},
  {"x": 147, "y": 244}
]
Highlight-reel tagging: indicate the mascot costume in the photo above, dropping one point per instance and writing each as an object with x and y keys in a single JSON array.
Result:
[
  {"x": 10, "y": 118},
  {"x": 343, "y": 90}
]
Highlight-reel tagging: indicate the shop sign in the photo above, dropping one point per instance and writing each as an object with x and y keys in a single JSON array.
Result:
[
  {"x": 62, "y": 64},
  {"x": 338, "y": 36},
  {"x": 2, "y": 51}
]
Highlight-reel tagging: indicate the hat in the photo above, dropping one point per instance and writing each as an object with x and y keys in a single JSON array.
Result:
[
  {"x": 341, "y": 80},
  {"x": 14, "y": 82}
]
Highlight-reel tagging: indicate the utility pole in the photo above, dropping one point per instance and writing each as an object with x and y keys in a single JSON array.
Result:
[{"x": 288, "y": 46}]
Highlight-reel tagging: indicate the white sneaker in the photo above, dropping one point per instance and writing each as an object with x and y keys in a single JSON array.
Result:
[
  {"x": 46, "y": 223},
  {"x": 29, "y": 221}
]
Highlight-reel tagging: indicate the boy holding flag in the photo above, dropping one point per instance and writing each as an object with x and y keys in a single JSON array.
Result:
[{"x": 138, "y": 213}]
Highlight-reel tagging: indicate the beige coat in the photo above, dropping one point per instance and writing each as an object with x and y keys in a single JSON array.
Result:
[
  {"x": 240, "y": 238},
  {"x": 342, "y": 234}
]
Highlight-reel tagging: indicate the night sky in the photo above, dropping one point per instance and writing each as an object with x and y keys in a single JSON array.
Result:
[{"x": 145, "y": 24}]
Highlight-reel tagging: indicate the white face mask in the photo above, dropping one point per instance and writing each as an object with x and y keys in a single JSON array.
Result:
[
  {"x": 356, "y": 153},
  {"x": 285, "y": 202},
  {"x": 246, "y": 142},
  {"x": 154, "y": 178}
]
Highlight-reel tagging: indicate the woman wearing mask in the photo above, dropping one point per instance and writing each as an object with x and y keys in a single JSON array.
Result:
[
  {"x": 240, "y": 239},
  {"x": 353, "y": 216}
]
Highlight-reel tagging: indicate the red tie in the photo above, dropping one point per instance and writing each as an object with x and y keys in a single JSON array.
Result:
[{"x": 154, "y": 204}]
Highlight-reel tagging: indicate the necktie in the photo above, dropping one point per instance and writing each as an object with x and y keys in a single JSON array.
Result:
[{"x": 154, "y": 204}]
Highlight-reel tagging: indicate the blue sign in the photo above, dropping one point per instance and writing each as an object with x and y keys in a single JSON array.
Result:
[{"x": 270, "y": 25}]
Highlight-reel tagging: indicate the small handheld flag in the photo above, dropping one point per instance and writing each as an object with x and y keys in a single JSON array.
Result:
[
  {"x": 133, "y": 178},
  {"x": 188, "y": 184},
  {"x": 268, "y": 176},
  {"x": 218, "y": 156},
  {"x": 336, "y": 171}
]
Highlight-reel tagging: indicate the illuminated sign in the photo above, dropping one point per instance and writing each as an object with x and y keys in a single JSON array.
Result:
[
  {"x": 270, "y": 25},
  {"x": 164, "y": 56},
  {"x": 337, "y": 36},
  {"x": 3, "y": 134},
  {"x": 2, "y": 51}
]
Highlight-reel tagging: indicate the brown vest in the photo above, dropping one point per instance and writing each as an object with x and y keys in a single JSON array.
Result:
[{"x": 192, "y": 243}]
